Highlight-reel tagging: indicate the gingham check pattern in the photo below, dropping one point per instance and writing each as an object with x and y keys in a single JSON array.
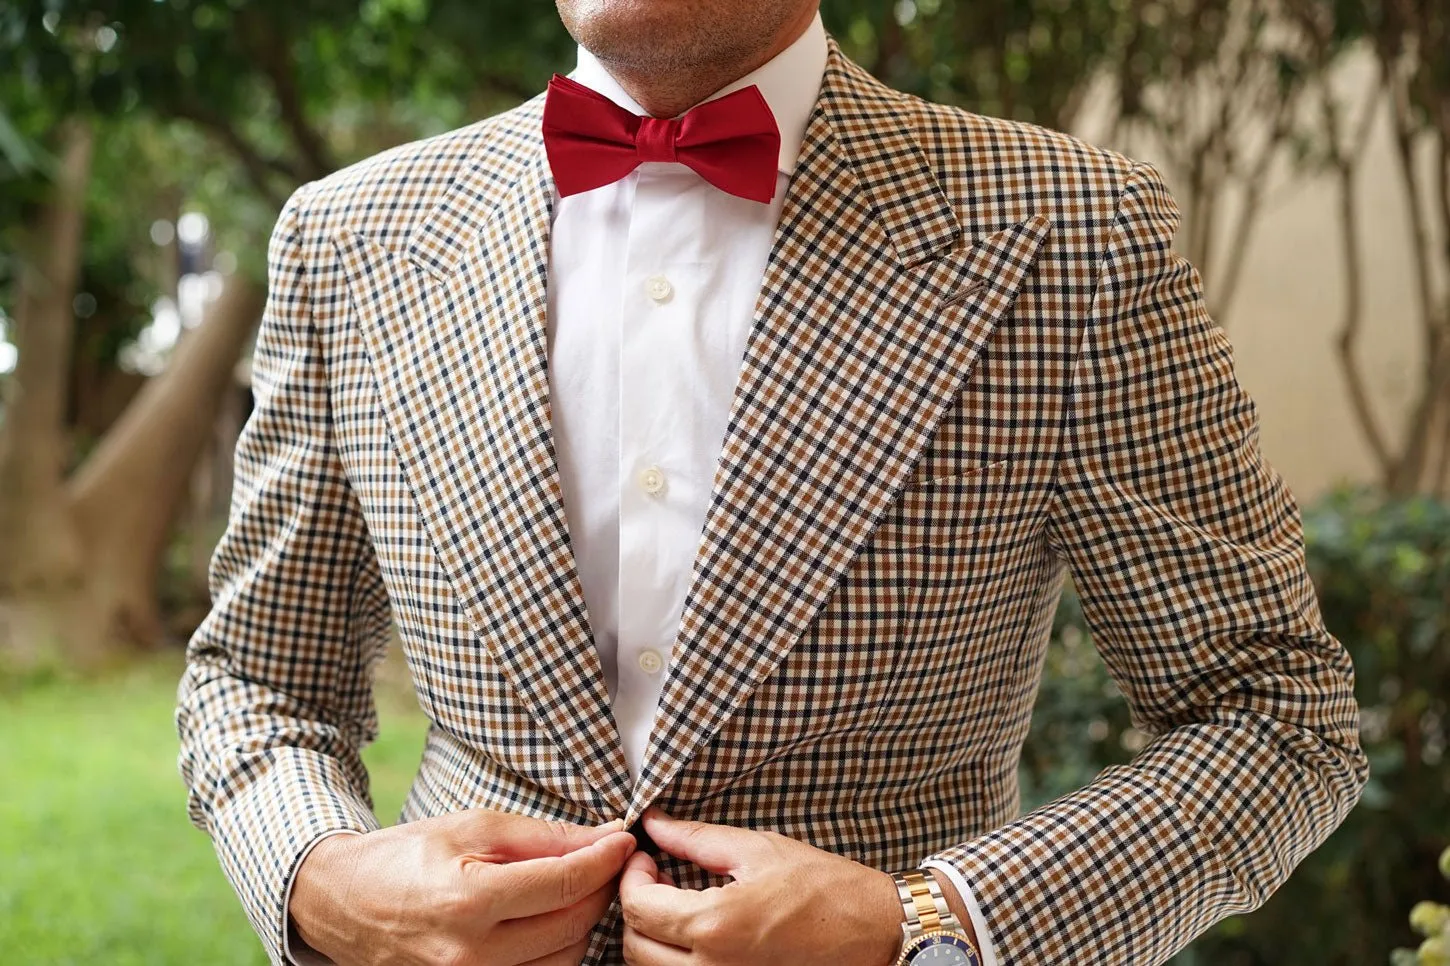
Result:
[{"x": 976, "y": 364}]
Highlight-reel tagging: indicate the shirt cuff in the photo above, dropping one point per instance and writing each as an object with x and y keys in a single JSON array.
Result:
[
  {"x": 974, "y": 911},
  {"x": 298, "y": 953}
]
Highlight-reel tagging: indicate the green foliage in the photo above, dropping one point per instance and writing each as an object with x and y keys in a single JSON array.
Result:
[
  {"x": 1382, "y": 568},
  {"x": 285, "y": 81},
  {"x": 1432, "y": 921},
  {"x": 99, "y": 863},
  {"x": 1027, "y": 59},
  {"x": 224, "y": 108},
  {"x": 1081, "y": 722}
]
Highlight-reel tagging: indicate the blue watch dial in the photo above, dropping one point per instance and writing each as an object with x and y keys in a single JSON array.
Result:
[{"x": 942, "y": 949}]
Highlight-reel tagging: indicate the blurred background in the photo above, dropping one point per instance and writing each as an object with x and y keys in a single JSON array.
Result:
[{"x": 147, "y": 145}]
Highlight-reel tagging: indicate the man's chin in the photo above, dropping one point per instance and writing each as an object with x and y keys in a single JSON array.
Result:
[{"x": 658, "y": 36}]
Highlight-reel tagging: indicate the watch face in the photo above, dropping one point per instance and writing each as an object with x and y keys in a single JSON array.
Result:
[{"x": 942, "y": 949}]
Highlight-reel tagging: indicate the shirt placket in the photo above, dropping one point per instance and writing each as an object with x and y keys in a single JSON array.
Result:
[{"x": 656, "y": 472}]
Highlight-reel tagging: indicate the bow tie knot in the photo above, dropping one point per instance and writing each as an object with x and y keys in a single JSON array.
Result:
[
  {"x": 655, "y": 139},
  {"x": 732, "y": 142}
]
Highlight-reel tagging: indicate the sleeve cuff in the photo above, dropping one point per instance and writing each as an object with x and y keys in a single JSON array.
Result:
[
  {"x": 974, "y": 910},
  {"x": 260, "y": 835},
  {"x": 297, "y": 952}
]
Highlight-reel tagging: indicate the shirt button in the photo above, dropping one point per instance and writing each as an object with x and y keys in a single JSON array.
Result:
[
  {"x": 659, "y": 288},
  {"x": 650, "y": 662},
  {"x": 652, "y": 481}
]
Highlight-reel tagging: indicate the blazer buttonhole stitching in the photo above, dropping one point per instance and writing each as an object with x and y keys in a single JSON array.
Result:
[{"x": 963, "y": 293}]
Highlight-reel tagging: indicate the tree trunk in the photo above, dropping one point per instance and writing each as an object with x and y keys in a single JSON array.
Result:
[
  {"x": 80, "y": 559},
  {"x": 127, "y": 497},
  {"x": 40, "y": 555}
]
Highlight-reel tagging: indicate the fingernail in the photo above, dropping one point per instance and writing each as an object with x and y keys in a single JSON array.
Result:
[{"x": 614, "y": 824}]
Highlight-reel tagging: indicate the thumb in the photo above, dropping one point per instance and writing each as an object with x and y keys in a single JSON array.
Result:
[
  {"x": 640, "y": 870},
  {"x": 495, "y": 836},
  {"x": 722, "y": 849}
]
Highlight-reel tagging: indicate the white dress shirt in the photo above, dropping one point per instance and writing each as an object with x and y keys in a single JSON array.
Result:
[{"x": 652, "y": 288}]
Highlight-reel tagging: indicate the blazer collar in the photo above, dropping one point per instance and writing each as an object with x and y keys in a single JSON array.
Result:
[
  {"x": 872, "y": 124},
  {"x": 861, "y": 116}
]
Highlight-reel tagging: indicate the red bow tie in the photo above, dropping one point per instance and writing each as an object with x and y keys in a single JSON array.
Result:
[{"x": 732, "y": 142}]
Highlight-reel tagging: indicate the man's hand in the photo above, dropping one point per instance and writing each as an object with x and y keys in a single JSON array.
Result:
[
  {"x": 474, "y": 888},
  {"x": 789, "y": 903}
]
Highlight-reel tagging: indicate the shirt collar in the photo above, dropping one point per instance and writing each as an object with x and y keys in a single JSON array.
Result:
[{"x": 790, "y": 83}]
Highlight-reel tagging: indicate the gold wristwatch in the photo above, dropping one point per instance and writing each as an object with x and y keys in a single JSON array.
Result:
[{"x": 931, "y": 935}]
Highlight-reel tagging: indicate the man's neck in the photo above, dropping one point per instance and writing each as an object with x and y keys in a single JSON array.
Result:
[{"x": 672, "y": 93}]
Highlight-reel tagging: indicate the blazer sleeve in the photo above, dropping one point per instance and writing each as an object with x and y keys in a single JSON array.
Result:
[
  {"x": 1187, "y": 551},
  {"x": 276, "y": 699}
]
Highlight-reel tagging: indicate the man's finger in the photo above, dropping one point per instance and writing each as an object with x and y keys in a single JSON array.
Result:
[
  {"x": 495, "y": 836},
  {"x": 718, "y": 848},
  {"x": 641, "y": 950},
  {"x": 542, "y": 936},
  {"x": 638, "y": 871},
  {"x": 532, "y": 887},
  {"x": 659, "y": 911},
  {"x": 661, "y": 876}
]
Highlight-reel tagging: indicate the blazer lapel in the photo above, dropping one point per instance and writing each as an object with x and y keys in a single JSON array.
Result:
[
  {"x": 455, "y": 326},
  {"x": 871, "y": 313}
]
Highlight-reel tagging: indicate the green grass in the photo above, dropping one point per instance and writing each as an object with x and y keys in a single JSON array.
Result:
[{"x": 98, "y": 864}]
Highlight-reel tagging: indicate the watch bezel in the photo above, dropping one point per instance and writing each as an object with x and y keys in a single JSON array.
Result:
[{"x": 930, "y": 938}]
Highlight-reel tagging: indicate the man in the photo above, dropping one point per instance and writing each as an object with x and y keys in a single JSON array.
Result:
[{"x": 717, "y": 431}]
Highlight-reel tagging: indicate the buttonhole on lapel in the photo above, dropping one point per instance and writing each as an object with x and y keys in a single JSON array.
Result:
[{"x": 963, "y": 293}]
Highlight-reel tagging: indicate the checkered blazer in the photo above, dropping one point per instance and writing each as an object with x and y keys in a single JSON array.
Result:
[{"x": 976, "y": 365}]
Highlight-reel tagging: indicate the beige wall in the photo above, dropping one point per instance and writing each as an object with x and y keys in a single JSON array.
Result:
[{"x": 1285, "y": 319}]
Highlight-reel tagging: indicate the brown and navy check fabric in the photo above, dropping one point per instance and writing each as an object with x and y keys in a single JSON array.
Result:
[{"x": 976, "y": 366}]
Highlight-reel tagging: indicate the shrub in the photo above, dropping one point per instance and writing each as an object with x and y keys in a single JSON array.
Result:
[{"x": 1431, "y": 920}]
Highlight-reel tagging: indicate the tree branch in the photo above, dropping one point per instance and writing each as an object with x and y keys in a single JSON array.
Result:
[
  {"x": 272, "y": 55},
  {"x": 261, "y": 171},
  {"x": 154, "y": 445},
  {"x": 1352, "y": 323},
  {"x": 1412, "y": 464}
]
